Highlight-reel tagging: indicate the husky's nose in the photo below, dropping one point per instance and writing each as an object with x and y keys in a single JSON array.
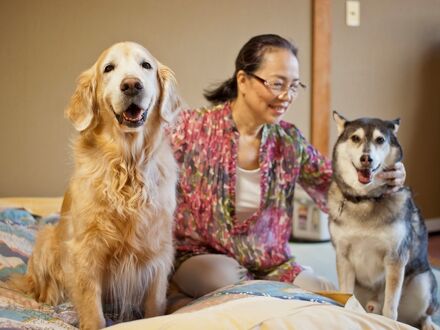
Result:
[
  {"x": 366, "y": 160},
  {"x": 131, "y": 86}
]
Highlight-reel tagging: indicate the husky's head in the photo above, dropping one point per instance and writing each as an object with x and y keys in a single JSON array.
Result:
[{"x": 364, "y": 148}]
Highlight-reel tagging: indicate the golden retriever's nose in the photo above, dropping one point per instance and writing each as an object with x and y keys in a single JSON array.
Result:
[{"x": 131, "y": 86}]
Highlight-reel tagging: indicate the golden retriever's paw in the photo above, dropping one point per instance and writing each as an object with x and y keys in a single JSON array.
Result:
[
  {"x": 90, "y": 324},
  {"x": 155, "y": 310}
]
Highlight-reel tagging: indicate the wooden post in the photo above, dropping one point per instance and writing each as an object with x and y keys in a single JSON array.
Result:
[{"x": 321, "y": 33}]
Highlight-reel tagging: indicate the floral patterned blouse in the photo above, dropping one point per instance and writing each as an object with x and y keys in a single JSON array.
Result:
[{"x": 205, "y": 143}]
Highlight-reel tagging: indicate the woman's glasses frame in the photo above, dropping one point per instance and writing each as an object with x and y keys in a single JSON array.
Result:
[{"x": 279, "y": 89}]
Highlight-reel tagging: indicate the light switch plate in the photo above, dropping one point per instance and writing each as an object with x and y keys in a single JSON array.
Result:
[{"x": 353, "y": 13}]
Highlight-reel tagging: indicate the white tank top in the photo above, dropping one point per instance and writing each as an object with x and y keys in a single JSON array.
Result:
[{"x": 247, "y": 193}]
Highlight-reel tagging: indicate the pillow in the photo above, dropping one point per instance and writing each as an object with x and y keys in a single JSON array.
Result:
[
  {"x": 265, "y": 305},
  {"x": 265, "y": 288}
]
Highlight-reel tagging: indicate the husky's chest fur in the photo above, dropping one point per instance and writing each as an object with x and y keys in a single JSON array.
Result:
[{"x": 369, "y": 230}]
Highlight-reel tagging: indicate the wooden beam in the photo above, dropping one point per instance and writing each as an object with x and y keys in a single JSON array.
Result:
[{"x": 321, "y": 33}]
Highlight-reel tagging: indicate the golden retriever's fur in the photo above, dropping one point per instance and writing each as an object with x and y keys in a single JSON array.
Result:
[{"x": 113, "y": 244}]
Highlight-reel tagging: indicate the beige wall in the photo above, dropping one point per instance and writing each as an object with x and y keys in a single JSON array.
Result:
[
  {"x": 389, "y": 67},
  {"x": 45, "y": 44}
]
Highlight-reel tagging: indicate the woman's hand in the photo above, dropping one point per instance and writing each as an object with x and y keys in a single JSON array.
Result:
[{"x": 394, "y": 177}]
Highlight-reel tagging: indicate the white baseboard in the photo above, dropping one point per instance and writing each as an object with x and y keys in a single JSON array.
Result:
[{"x": 433, "y": 224}]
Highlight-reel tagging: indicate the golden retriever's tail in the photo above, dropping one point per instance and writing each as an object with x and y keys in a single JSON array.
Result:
[
  {"x": 21, "y": 282},
  {"x": 48, "y": 292},
  {"x": 44, "y": 276}
]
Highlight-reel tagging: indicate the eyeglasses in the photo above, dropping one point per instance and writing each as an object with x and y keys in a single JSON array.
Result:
[{"x": 279, "y": 88}]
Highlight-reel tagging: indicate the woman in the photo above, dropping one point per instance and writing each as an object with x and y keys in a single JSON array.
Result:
[{"x": 239, "y": 165}]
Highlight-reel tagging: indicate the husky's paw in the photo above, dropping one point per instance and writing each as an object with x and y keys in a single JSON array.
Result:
[
  {"x": 373, "y": 307},
  {"x": 429, "y": 325},
  {"x": 390, "y": 312}
]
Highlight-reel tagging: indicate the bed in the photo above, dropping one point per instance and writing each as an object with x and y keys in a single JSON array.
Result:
[{"x": 246, "y": 305}]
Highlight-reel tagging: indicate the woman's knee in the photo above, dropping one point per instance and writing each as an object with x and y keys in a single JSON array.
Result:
[
  {"x": 308, "y": 280},
  {"x": 205, "y": 273}
]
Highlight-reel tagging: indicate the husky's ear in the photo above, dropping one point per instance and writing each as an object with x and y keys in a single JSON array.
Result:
[
  {"x": 340, "y": 122},
  {"x": 169, "y": 101},
  {"x": 394, "y": 125},
  {"x": 80, "y": 110}
]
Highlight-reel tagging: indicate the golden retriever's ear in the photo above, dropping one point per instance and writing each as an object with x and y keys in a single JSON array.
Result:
[
  {"x": 80, "y": 110},
  {"x": 169, "y": 102}
]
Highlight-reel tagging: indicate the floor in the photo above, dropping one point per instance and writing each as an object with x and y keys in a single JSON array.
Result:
[{"x": 321, "y": 256}]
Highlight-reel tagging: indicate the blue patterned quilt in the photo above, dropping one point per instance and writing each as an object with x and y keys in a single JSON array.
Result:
[{"x": 18, "y": 311}]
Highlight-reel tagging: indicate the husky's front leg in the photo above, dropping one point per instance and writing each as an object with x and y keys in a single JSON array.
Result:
[
  {"x": 394, "y": 274},
  {"x": 346, "y": 273}
]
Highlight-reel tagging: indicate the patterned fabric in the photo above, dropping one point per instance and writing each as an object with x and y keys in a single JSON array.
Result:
[
  {"x": 18, "y": 311},
  {"x": 270, "y": 289},
  {"x": 17, "y": 235},
  {"x": 18, "y": 228},
  {"x": 205, "y": 142}
]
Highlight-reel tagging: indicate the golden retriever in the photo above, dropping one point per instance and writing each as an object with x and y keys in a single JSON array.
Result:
[{"x": 113, "y": 244}]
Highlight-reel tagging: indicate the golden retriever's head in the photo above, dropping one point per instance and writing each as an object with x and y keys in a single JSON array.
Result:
[{"x": 125, "y": 86}]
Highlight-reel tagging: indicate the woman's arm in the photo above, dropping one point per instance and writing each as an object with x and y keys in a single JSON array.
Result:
[{"x": 315, "y": 174}]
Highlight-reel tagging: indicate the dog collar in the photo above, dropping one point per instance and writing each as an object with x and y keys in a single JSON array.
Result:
[
  {"x": 358, "y": 199},
  {"x": 355, "y": 199}
]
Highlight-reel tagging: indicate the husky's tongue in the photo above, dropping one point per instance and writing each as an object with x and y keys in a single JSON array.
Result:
[{"x": 364, "y": 175}]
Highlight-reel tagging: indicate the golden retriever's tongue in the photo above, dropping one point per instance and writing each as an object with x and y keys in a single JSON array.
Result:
[
  {"x": 364, "y": 176},
  {"x": 133, "y": 113}
]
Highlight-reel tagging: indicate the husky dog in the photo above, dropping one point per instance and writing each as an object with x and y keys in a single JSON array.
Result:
[{"x": 380, "y": 239}]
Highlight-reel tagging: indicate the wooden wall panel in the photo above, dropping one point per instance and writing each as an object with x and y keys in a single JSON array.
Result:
[{"x": 320, "y": 112}]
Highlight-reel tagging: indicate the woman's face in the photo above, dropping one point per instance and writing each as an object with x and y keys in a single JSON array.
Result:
[{"x": 266, "y": 103}]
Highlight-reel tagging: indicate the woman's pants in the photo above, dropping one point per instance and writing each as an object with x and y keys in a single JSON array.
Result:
[{"x": 205, "y": 273}]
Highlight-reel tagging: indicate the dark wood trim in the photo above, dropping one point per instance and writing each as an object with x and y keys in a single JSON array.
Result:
[{"x": 321, "y": 47}]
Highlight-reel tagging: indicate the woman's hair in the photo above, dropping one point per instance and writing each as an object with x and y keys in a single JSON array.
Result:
[{"x": 249, "y": 60}]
